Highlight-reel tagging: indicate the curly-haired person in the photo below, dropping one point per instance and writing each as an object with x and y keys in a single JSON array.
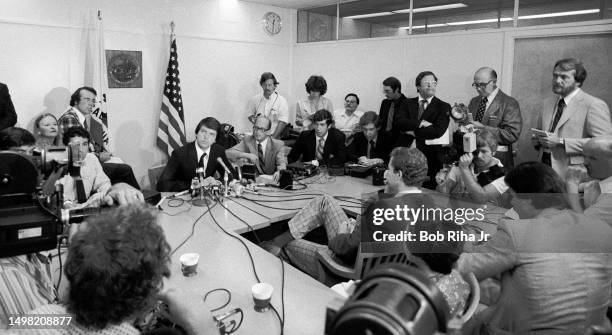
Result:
[{"x": 115, "y": 267}]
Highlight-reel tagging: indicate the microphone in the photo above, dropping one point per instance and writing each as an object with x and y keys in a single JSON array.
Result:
[{"x": 220, "y": 161}]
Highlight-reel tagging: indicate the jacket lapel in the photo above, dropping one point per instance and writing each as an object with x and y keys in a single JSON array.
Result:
[
  {"x": 493, "y": 107},
  {"x": 569, "y": 110}
]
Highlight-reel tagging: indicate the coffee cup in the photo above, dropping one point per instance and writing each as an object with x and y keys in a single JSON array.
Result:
[
  {"x": 262, "y": 293},
  {"x": 189, "y": 264}
]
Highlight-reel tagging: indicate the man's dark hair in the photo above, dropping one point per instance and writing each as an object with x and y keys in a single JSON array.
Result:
[
  {"x": 441, "y": 255},
  {"x": 420, "y": 76},
  {"x": 116, "y": 266},
  {"x": 569, "y": 64},
  {"x": 369, "y": 117},
  {"x": 413, "y": 164},
  {"x": 15, "y": 137},
  {"x": 530, "y": 178},
  {"x": 210, "y": 123},
  {"x": 76, "y": 131},
  {"x": 266, "y": 76},
  {"x": 323, "y": 115},
  {"x": 76, "y": 96},
  {"x": 394, "y": 83},
  {"x": 316, "y": 84},
  {"x": 352, "y": 95}
]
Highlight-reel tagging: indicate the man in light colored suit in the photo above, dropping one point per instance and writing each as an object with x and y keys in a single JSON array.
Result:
[
  {"x": 567, "y": 122},
  {"x": 555, "y": 264},
  {"x": 267, "y": 153},
  {"x": 496, "y": 112}
]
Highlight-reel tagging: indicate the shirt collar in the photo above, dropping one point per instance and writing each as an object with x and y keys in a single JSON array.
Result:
[
  {"x": 80, "y": 115},
  {"x": 492, "y": 95},
  {"x": 606, "y": 185},
  {"x": 263, "y": 143},
  {"x": 199, "y": 151},
  {"x": 409, "y": 191},
  {"x": 570, "y": 96},
  {"x": 324, "y": 137},
  {"x": 428, "y": 99},
  {"x": 271, "y": 95}
]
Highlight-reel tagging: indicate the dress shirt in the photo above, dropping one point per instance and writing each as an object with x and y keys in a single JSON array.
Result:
[
  {"x": 264, "y": 143},
  {"x": 428, "y": 101},
  {"x": 274, "y": 108},
  {"x": 200, "y": 152},
  {"x": 490, "y": 98},
  {"x": 347, "y": 123}
]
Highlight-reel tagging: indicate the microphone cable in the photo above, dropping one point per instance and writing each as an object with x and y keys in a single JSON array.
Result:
[
  {"x": 192, "y": 230},
  {"x": 239, "y": 218}
]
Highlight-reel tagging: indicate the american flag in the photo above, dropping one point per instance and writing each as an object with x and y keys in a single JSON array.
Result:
[
  {"x": 171, "y": 131},
  {"x": 95, "y": 76}
]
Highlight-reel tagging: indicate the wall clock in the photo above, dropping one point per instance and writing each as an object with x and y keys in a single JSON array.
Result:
[{"x": 272, "y": 23}]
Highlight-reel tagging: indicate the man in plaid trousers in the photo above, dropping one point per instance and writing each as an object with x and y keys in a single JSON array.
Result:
[{"x": 407, "y": 170}]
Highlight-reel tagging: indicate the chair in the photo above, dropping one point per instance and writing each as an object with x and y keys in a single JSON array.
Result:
[
  {"x": 154, "y": 174},
  {"x": 365, "y": 262}
]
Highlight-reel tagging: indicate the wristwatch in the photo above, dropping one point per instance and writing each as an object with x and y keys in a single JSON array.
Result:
[{"x": 562, "y": 141}]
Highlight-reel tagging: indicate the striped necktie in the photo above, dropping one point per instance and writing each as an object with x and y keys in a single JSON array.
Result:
[
  {"x": 260, "y": 155},
  {"x": 320, "y": 148}
]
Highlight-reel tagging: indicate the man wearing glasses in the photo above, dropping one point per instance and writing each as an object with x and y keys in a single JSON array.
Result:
[
  {"x": 268, "y": 154},
  {"x": 82, "y": 102},
  {"x": 347, "y": 120},
  {"x": 427, "y": 119},
  {"x": 496, "y": 112}
]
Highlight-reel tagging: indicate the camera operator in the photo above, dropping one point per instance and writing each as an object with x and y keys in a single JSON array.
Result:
[{"x": 480, "y": 177}]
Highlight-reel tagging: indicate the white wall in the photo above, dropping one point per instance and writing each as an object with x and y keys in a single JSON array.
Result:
[{"x": 222, "y": 50}]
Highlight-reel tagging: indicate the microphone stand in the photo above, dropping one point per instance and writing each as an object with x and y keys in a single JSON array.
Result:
[{"x": 201, "y": 201}]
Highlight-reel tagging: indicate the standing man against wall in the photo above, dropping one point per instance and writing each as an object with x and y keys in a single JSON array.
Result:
[
  {"x": 496, "y": 112},
  {"x": 393, "y": 107},
  {"x": 568, "y": 121},
  {"x": 269, "y": 104}
]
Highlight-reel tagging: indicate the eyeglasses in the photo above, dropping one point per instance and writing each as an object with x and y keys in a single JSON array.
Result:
[
  {"x": 255, "y": 128},
  {"x": 481, "y": 85},
  {"x": 429, "y": 84}
]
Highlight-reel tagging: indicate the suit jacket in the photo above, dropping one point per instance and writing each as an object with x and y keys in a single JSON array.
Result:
[
  {"x": 556, "y": 271},
  {"x": 182, "y": 165},
  {"x": 401, "y": 110},
  {"x": 503, "y": 119},
  {"x": 586, "y": 116},
  {"x": 8, "y": 117},
  {"x": 359, "y": 146},
  {"x": 275, "y": 157},
  {"x": 437, "y": 113},
  {"x": 334, "y": 151}
]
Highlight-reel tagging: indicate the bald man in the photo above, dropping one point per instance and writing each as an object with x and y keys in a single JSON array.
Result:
[
  {"x": 598, "y": 192},
  {"x": 497, "y": 112}
]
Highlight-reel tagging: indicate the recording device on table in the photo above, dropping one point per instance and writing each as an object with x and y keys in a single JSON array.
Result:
[
  {"x": 31, "y": 204},
  {"x": 392, "y": 299}
]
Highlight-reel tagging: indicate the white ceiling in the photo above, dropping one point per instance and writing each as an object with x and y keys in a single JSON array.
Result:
[{"x": 298, "y": 4}]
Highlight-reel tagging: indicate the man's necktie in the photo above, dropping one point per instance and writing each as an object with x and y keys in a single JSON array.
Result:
[
  {"x": 80, "y": 187},
  {"x": 482, "y": 106},
  {"x": 86, "y": 125},
  {"x": 560, "y": 108},
  {"x": 390, "y": 116},
  {"x": 260, "y": 155},
  {"x": 201, "y": 162},
  {"x": 421, "y": 108},
  {"x": 371, "y": 148},
  {"x": 320, "y": 148}
]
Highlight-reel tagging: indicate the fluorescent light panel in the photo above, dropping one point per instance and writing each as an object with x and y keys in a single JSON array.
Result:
[
  {"x": 431, "y": 9},
  {"x": 505, "y": 19},
  {"x": 363, "y": 16}
]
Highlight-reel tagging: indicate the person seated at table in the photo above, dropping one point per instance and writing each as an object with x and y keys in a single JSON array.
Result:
[
  {"x": 479, "y": 177},
  {"x": 321, "y": 145},
  {"x": 266, "y": 153},
  {"x": 407, "y": 169},
  {"x": 347, "y": 119},
  {"x": 370, "y": 146},
  {"x": 201, "y": 153},
  {"x": 26, "y": 283},
  {"x": 115, "y": 267},
  {"x": 46, "y": 129},
  {"x": 86, "y": 183},
  {"x": 316, "y": 86},
  {"x": 555, "y": 264}
]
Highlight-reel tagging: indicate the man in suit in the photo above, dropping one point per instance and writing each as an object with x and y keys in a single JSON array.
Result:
[
  {"x": 407, "y": 169},
  {"x": 8, "y": 117},
  {"x": 82, "y": 102},
  {"x": 370, "y": 146},
  {"x": 394, "y": 107},
  {"x": 268, "y": 154},
  {"x": 555, "y": 264},
  {"x": 201, "y": 153},
  {"x": 567, "y": 122},
  {"x": 427, "y": 119},
  {"x": 321, "y": 145},
  {"x": 496, "y": 112}
]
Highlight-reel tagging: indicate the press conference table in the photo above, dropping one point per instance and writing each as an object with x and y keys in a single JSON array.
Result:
[{"x": 224, "y": 262}]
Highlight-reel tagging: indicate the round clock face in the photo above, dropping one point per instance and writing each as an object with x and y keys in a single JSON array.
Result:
[{"x": 272, "y": 23}]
